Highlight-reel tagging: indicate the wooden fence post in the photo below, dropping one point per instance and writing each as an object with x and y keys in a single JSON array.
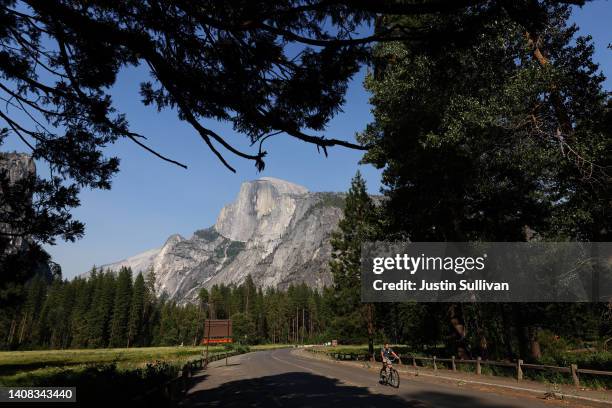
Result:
[
  {"x": 453, "y": 365},
  {"x": 478, "y": 369},
  {"x": 519, "y": 370},
  {"x": 434, "y": 364},
  {"x": 414, "y": 362},
  {"x": 574, "y": 370}
]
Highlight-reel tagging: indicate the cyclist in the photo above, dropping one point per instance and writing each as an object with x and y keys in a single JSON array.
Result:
[{"x": 386, "y": 353}]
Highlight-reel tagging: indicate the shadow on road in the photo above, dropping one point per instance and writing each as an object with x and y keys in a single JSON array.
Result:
[
  {"x": 443, "y": 399},
  {"x": 298, "y": 389}
]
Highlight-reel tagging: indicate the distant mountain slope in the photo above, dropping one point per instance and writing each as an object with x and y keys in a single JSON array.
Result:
[{"x": 276, "y": 231}]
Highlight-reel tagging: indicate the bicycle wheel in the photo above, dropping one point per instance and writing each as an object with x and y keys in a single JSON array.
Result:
[
  {"x": 383, "y": 377},
  {"x": 394, "y": 379}
]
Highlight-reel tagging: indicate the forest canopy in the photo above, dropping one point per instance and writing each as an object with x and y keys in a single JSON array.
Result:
[{"x": 269, "y": 68}]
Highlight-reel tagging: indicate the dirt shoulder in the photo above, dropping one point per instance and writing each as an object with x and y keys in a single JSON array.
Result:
[{"x": 561, "y": 394}]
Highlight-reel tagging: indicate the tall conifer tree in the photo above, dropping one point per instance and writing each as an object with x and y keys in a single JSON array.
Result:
[
  {"x": 135, "y": 322},
  {"x": 121, "y": 309},
  {"x": 358, "y": 226}
]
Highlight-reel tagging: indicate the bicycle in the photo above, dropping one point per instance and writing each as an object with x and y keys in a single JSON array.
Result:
[{"x": 391, "y": 378}]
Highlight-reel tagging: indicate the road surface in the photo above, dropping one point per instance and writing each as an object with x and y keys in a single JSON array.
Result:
[{"x": 285, "y": 378}]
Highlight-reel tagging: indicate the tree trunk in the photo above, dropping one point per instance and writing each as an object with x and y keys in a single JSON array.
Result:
[
  {"x": 521, "y": 330},
  {"x": 483, "y": 345},
  {"x": 529, "y": 345},
  {"x": 11, "y": 332},
  {"x": 533, "y": 41},
  {"x": 506, "y": 322},
  {"x": 24, "y": 323},
  {"x": 534, "y": 344},
  {"x": 369, "y": 314},
  {"x": 309, "y": 331},
  {"x": 456, "y": 320},
  {"x": 213, "y": 312}
]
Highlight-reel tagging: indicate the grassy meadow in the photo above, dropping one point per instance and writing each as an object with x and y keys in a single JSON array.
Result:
[
  {"x": 26, "y": 367},
  {"x": 29, "y": 367}
]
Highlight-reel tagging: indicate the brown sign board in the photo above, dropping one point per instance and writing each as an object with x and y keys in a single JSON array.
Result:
[{"x": 217, "y": 329}]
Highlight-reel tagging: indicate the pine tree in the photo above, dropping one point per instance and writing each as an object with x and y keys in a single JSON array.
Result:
[
  {"x": 358, "y": 226},
  {"x": 100, "y": 314},
  {"x": 134, "y": 337},
  {"x": 492, "y": 140},
  {"x": 121, "y": 309},
  {"x": 56, "y": 315},
  {"x": 243, "y": 328},
  {"x": 169, "y": 326},
  {"x": 217, "y": 302},
  {"x": 95, "y": 325},
  {"x": 250, "y": 292},
  {"x": 260, "y": 315},
  {"x": 203, "y": 296},
  {"x": 31, "y": 311},
  {"x": 150, "y": 309},
  {"x": 83, "y": 299}
]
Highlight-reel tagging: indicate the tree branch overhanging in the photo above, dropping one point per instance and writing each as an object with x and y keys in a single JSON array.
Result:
[{"x": 219, "y": 48}]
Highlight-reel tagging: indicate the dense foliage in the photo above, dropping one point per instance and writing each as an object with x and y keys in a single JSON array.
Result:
[
  {"x": 504, "y": 138},
  {"x": 359, "y": 224},
  {"x": 114, "y": 310},
  {"x": 544, "y": 332}
]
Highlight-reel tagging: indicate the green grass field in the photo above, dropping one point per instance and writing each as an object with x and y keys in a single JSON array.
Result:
[
  {"x": 17, "y": 367},
  {"x": 27, "y": 359},
  {"x": 24, "y": 367}
]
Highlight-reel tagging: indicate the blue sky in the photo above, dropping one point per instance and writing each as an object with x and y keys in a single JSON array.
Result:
[{"x": 151, "y": 199}]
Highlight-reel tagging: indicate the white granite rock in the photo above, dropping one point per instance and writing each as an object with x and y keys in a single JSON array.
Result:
[{"x": 275, "y": 231}]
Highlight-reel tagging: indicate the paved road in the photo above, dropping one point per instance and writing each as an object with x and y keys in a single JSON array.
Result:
[{"x": 282, "y": 378}]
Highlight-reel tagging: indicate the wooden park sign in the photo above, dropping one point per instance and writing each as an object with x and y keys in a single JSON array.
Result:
[{"x": 217, "y": 331}]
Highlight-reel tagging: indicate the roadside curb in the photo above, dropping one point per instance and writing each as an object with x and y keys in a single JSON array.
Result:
[
  {"x": 512, "y": 387},
  {"x": 562, "y": 395}
]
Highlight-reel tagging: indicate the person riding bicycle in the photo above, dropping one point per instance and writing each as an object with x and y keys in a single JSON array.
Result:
[{"x": 386, "y": 353}]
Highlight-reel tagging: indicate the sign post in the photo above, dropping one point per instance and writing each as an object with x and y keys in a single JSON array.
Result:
[
  {"x": 207, "y": 336},
  {"x": 217, "y": 331},
  {"x": 229, "y": 324}
]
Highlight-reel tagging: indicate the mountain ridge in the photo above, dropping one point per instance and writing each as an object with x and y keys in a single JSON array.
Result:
[{"x": 276, "y": 231}]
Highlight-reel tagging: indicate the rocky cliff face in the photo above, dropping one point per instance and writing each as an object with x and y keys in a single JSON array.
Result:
[
  {"x": 15, "y": 167},
  {"x": 18, "y": 252},
  {"x": 275, "y": 231}
]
